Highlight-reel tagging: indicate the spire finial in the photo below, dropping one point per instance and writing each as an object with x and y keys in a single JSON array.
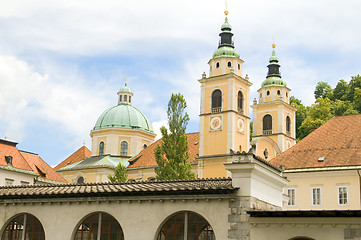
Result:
[
  {"x": 226, "y": 12},
  {"x": 273, "y": 45},
  {"x": 126, "y": 82}
]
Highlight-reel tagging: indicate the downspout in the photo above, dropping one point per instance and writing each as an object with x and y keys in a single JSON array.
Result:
[{"x": 359, "y": 183}]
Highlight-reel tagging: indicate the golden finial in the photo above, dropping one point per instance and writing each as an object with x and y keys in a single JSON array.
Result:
[
  {"x": 273, "y": 45},
  {"x": 126, "y": 82},
  {"x": 226, "y": 12}
]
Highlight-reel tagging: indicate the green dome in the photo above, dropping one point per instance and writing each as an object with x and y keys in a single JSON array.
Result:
[
  {"x": 125, "y": 89},
  {"x": 225, "y": 52},
  {"x": 273, "y": 58},
  {"x": 124, "y": 116},
  {"x": 274, "y": 81},
  {"x": 226, "y": 25}
]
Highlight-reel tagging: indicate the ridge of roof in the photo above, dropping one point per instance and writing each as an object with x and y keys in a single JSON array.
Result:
[{"x": 78, "y": 155}]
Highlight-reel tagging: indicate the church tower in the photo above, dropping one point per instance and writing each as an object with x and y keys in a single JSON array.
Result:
[
  {"x": 274, "y": 119},
  {"x": 224, "y": 114}
]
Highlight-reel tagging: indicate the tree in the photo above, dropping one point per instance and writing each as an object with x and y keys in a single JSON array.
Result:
[
  {"x": 319, "y": 113},
  {"x": 341, "y": 91},
  {"x": 120, "y": 174},
  {"x": 323, "y": 90},
  {"x": 172, "y": 153},
  {"x": 343, "y": 108}
]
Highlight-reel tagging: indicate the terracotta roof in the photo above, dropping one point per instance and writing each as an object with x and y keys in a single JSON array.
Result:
[
  {"x": 40, "y": 167},
  {"x": 169, "y": 187},
  {"x": 8, "y": 148},
  {"x": 146, "y": 157},
  {"x": 338, "y": 141},
  {"x": 77, "y": 156}
]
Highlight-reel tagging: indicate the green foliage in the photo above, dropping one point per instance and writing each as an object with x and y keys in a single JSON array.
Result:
[
  {"x": 323, "y": 90},
  {"x": 172, "y": 154},
  {"x": 341, "y": 91},
  {"x": 120, "y": 174},
  {"x": 318, "y": 114}
]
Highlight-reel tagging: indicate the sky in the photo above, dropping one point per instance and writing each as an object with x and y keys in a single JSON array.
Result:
[{"x": 62, "y": 62}]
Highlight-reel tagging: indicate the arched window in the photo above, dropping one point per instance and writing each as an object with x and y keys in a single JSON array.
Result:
[
  {"x": 216, "y": 101},
  {"x": 109, "y": 228},
  {"x": 198, "y": 228},
  {"x": 124, "y": 149},
  {"x": 267, "y": 125},
  {"x": 145, "y": 146},
  {"x": 240, "y": 102},
  {"x": 288, "y": 125},
  {"x": 15, "y": 229},
  {"x": 229, "y": 64},
  {"x": 80, "y": 180},
  {"x": 217, "y": 65},
  {"x": 101, "y": 149}
]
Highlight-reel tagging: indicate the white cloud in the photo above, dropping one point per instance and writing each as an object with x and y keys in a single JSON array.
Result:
[{"x": 156, "y": 127}]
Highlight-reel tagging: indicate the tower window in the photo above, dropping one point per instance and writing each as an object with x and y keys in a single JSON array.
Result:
[
  {"x": 101, "y": 149},
  {"x": 125, "y": 98},
  {"x": 267, "y": 124},
  {"x": 239, "y": 66},
  {"x": 124, "y": 149},
  {"x": 217, "y": 65},
  {"x": 268, "y": 93},
  {"x": 120, "y": 98},
  {"x": 216, "y": 101},
  {"x": 286, "y": 94},
  {"x": 129, "y": 98},
  {"x": 229, "y": 64},
  {"x": 240, "y": 102},
  {"x": 288, "y": 125},
  {"x": 278, "y": 92}
]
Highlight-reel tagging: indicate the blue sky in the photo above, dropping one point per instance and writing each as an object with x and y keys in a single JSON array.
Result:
[{"x": 62, "y": 62}]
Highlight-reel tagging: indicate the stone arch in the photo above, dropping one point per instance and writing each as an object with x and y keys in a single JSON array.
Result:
[
  {"x": 89, "y": 225},
  {"x": 178, "y": 223},
  {"x": 270, "y": 141},
  {"x": 13, "y": 228}
]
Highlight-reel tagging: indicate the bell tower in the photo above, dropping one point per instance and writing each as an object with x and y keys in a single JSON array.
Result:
[
  {"x": 224, "y": 114},
  {"x": 274, "y": 119}
]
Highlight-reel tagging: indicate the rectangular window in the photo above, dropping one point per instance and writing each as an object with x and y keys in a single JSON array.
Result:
[
  {"x": 24, "y": 183},
  {"x": 316, "y": 196},
  {"x": 9, "y": 182},
  {"x": 125, "y": 98},
  {"x": 291, "y": 192},
  {"x": 342, "y": 195}
]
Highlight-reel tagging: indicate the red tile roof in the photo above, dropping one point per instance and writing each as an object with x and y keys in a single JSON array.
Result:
[
  {"x": 146, "y": 157},
  {"x": 8, "y": 148},
  {"x": 338, "y": 141},
  {"x": 40, "y": 167},
  {"x": 77, "y": 156}
]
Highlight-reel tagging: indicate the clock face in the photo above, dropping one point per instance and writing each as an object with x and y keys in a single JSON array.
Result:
[
  {"x": 240, "y": 125},
  {"x": 216, "y": 123}
]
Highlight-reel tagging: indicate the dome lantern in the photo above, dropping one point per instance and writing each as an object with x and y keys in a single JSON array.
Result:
[{"x": 125, "y": 94}]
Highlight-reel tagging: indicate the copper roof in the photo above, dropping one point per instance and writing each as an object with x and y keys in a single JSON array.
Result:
[
  {"x": 77, "y": 156},
  {"x": 335, "y": 143},
  {"x": 40, "y": 167},
  {"x": 8, "y": 148},
  {"x": 146, "y": 157},
  {"x": 168, "y": 187}
]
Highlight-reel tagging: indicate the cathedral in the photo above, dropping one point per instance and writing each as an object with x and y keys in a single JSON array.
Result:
[{"x": 123, "y": 134}]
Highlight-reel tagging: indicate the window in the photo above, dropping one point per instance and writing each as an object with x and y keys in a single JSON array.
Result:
[
  {"x": 342, "y": 195},
  {"x": 229, "y": 64},
  {"x": 239, "y": 66},
  {"x": 240, "y": 102},
  {"x": 288, "y": 125},
  {"x": 144, "y": 146},
  {"x": 130, "y": 98},
  {"x": 9, "y": 182},
  {"x": 265, "y": 153},
  {"x": 15, "y": 229},
  {"x": 278, "y": 92},
  {"x": 316, "y": 196},
  {"x": 80, "y": 180},
  {"x": 267, "y": 124},
  {"x": 186, "y": 225},
  {"x": 268, "y": 93},
  {"x": 125, "y": 98},
  {"x": 124, "y": 149},
  {"x": 216, "y": 101},
  {"x": 217, "y": 65},
  {"x": 9, "y": 160},
  {"x": 99, "y": 223},
  {"x": 101, "y": 149},
  {"x": 291, "y": 192},
  {"x": 120, "y": 98}
]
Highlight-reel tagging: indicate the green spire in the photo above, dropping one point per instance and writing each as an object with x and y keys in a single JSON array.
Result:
[{"x": 273, "y": 76}]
